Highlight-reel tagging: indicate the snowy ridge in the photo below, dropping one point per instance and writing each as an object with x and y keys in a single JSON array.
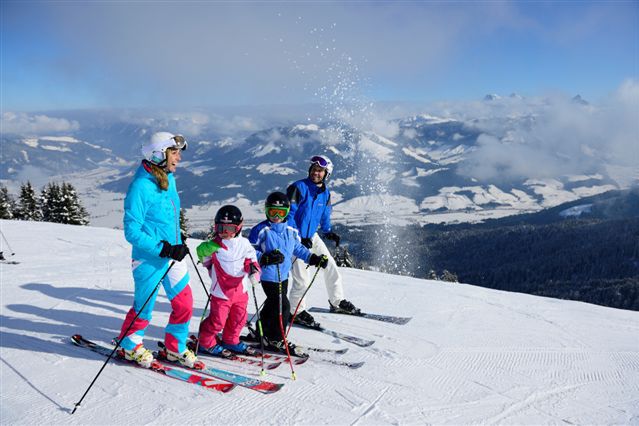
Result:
[
  {"x": 421, "y": 158},
  {"x": 469, "y": 355}
]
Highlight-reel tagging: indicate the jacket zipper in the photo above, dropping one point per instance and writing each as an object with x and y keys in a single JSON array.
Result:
[
  {"x": 177, "y": 222},
  {"x": 308, "y": 228}
]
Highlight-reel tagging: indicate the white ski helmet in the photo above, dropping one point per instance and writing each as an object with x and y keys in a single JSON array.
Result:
[
  {"x": 324, "y": 162},
  {"x": 155, "y": 149}
]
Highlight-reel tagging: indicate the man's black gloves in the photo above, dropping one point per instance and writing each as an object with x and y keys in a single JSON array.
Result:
[
  {"x": 319, "y": 261},
  {"x": 272, "y": 258},
  {"x": 176, "y": 252},
  {"x": 307, "y": 242},
  {"x": 333, "y": 237}
]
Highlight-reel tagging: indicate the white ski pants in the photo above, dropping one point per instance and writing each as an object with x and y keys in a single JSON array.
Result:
[{"x": 301, "y": 277}]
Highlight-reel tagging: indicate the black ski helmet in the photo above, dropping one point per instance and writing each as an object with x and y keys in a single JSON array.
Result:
[
  {"x": 229, "y": 214},
  {"x": 277, "y": 199}
]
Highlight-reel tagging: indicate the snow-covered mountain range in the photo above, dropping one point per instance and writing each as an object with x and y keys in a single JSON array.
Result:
[
  {"x": 429, "y": 169},
  {"x": 468, "y": 356}
]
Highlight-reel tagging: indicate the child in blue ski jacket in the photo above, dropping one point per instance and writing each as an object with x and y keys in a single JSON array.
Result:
[{"x": 276, "y": 242}]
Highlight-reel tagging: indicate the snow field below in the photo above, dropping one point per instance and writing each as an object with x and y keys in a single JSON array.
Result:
[{"x": 469, "y": 355}]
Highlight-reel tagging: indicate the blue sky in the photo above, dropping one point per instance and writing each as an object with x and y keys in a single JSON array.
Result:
[{"x": 67, "y": 55}]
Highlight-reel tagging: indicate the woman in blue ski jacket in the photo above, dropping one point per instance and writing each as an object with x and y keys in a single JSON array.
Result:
[{"x": 152, "y": 226}]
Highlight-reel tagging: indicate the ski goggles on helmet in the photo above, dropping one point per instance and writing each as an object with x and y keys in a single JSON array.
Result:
[
  {"x": 320, "y": 161},
  {"x": 281, "y": 212},
  {"x": 227, "y": 228},
  {"x": 180, "y": 142}
]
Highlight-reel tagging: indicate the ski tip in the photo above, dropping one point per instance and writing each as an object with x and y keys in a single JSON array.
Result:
[
  {"x": 355, "y": 365},
  {"x": 227, "y": 387},
  {"x": 78, "y": 340},
  {"x": 300, "y": 361},
  {"x": 270, "y": 388},
  {"x": 273, "y": 365}
]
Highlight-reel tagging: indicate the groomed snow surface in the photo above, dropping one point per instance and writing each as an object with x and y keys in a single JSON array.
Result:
[{"x": 469, "y": 355}]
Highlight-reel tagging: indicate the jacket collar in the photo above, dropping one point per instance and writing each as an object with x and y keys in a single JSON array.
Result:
[
  {"x": 277, "y": 227},
  {"x": 314, "y": 187}
]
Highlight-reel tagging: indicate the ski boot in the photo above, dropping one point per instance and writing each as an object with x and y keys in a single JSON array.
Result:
[
  {"x": 278, "y": 346},
  {"x": 216, "y": 350},
  {"x": 240, "y": 348},
  {"x": 306, "y": 319},
  {"x": 345, "y": 307},
  {"x": 254, "y": 338},
  {"x": 140, "y": 355},
  {"x": 186, "y": 358}
]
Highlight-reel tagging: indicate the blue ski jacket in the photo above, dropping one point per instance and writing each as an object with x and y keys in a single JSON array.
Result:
[
  {"x": 310, "y": 207},
  {"x": 267, "y": 236},
  {"x": 151, "y": 215}
]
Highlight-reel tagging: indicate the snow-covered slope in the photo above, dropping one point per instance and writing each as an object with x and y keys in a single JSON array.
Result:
[{"x": 469, "y": 355}]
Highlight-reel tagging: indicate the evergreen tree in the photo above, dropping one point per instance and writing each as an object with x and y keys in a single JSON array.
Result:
[
  {"x": 52, "y": 203},
  {"x": 184, "y": 222},
  {"x": 7, "y": 205},
  {"x": 28, "y": 204},
  {"x": 449, "y": 276},
  {"x": 72, "y": 211}
]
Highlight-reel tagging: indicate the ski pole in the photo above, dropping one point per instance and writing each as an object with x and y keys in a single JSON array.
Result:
[
  {"x": 250, "y": 320},
  {"x": 198, "y": 274},
  {"x": 303, "y": 296},
  {"x": 206, "y": 307},
  {"x": 259, "y": 321},
  {"x": 208, "y": 300},
  {"x": 288, "y": 353},
  {"x": 117, "y": 342},
  {"x": 7, "y": 241}
]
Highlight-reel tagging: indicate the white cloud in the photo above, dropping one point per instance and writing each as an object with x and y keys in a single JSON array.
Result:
[
  {"x": 552, "y": 136},
  {"x": 35, "y": 124},
  {"x": 195, "y": 123}
]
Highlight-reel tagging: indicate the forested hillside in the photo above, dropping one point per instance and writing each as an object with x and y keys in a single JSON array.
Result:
[{"x": 591, "y": 257}]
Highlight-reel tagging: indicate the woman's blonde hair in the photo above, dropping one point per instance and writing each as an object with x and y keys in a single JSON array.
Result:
[{"x": 160, "y": 175}]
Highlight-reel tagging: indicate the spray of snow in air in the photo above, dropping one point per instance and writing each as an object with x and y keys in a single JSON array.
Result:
[{"x": 333, "y": 77}]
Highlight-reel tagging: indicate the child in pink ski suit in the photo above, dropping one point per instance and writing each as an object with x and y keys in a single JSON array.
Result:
[{"x": 230, "y": 260}]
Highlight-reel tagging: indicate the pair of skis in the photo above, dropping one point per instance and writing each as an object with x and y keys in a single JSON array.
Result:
[
  {"x": 224, "y": 381},
  {"x": 348, "y": 338},
  {"x": 281, "y": 355},
  {"x": 209, "y": 377},
  {"x": 377, "y": 317}
]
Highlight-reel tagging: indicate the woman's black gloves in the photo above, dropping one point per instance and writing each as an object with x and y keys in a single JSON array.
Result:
[{"x": 176, "y": 252}]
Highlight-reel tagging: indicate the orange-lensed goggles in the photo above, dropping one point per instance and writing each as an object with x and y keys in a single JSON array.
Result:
[
  {"x": 280, "y": 212},
  {"x": 222, "y": 228}
]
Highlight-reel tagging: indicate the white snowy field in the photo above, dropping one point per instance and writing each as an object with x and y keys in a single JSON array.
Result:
[{"x": 469, "y": 355}]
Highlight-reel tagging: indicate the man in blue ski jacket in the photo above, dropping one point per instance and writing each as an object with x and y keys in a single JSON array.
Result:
[{"x": 311, "y": 209}]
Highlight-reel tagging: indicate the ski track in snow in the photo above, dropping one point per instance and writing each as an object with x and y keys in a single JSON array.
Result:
[{"x": 469, "y": 355}]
